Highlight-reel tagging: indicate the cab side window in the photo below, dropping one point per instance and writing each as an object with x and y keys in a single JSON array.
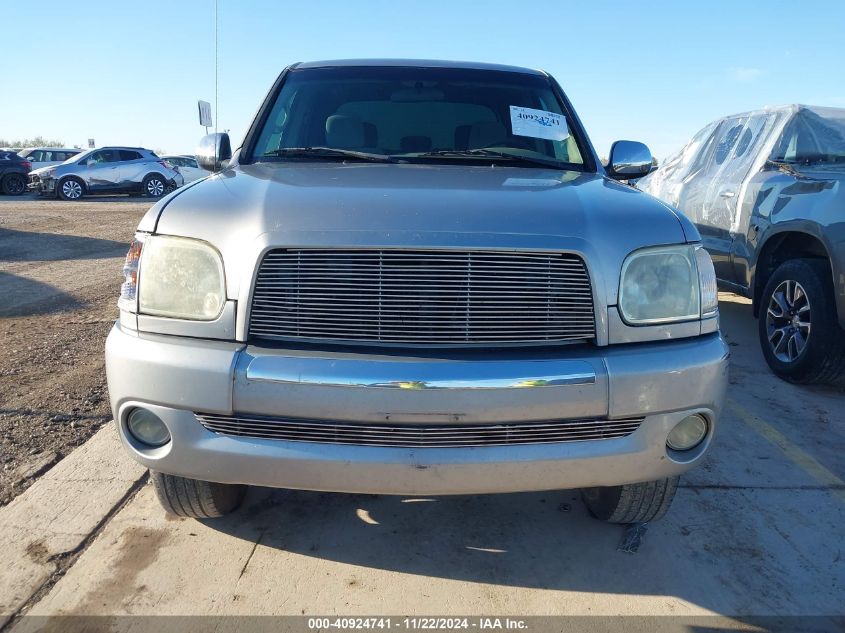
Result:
[
  {"x": 126, "y": 155},
  {"x": 727, "y": 141}
]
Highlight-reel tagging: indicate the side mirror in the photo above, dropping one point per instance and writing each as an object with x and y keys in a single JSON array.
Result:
[
  {"x": 628, "y": 160},
  {"x": 214, "y": 151}
]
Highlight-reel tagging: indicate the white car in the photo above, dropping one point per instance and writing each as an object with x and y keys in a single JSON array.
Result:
[
  {"x": 48, "y": 156},
  {"x": 188, "y": 167}
]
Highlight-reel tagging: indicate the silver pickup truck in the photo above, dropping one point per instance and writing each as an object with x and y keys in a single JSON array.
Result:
[{"x": 416, "y": 277}]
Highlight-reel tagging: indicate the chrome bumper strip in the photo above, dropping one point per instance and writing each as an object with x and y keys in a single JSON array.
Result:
[{"x": 421, "y": 374}]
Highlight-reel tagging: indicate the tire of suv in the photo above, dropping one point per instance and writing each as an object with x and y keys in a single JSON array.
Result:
[
  {"x": 631, "y": 503},
  {"x": 799, "y": 333},
  {"x": 70, "y": 188},
  {"x": 13, "y": 184},
  {"x": 194, "y": 498},
  {"x": 154, "y": 185}
]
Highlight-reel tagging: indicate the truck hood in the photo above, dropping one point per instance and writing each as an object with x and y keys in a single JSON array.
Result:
[{"x": 247, "y": 209}]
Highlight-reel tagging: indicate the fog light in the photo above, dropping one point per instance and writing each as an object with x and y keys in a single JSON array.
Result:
[
  {"x": 687, "y": 433},
  {"x": 146, "y": 427}
]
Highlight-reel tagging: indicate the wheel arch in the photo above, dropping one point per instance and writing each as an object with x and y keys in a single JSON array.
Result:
[
  {"x": 779, "y": 248},
  {"x": 79, "y": 179}
]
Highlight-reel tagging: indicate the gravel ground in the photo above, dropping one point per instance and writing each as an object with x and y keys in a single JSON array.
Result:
[{"x": 60, "y": 271}]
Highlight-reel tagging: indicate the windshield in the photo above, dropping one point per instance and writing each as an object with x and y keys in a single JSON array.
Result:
[
  {"x": 419, "y": 114},
  {"x": 813, "y": 136}
]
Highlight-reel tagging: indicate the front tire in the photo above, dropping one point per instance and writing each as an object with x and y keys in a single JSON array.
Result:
[
  {"x": 154, "y": 186},
  {"x": 13, "y": 184},
  {"x": 194, "y": 498},
  {"x": 631, "y": 503},
  {"x": 799, "y": 333},
  {"x": 70, "y": 189}
]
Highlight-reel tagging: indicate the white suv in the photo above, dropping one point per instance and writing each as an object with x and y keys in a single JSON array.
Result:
[{"x": 48, "y": 156}]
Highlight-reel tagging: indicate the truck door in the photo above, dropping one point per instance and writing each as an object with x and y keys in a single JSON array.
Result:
[
  {"x": 713, "y": 194},
  {"x": 730, "y": 194}
]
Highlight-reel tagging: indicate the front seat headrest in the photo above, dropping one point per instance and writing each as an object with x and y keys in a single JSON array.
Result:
[{"x": 344, "y": 132}]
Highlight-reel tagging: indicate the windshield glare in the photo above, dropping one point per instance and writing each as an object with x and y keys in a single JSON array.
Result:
[{"x": 414, "y": 112}]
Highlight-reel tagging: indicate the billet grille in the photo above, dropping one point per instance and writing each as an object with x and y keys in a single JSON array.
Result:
[
  {"x": 414, "y": 435},
  {"x": 422, "y": 297}
]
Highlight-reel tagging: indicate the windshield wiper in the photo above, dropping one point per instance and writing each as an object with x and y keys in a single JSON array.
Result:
[
  {"x": 491, "y": 153},
  {"x": 327, "y": 152}
]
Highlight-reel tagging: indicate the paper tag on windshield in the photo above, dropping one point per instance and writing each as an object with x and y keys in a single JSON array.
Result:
[{"x": 538, "y": 124}]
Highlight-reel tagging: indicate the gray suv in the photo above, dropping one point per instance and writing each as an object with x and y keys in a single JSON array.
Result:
[
  {"x": 766, "y": 190},
  {"x": 108, "y": 170},
  {"x": 416, "y": 278}
]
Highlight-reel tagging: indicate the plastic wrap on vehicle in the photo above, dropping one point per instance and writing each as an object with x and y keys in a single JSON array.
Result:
[{"x": 706, "y": 179}]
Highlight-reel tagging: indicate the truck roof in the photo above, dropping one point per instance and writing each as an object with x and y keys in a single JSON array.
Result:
[
  {"x": 823, "y": 111},
  {"x": 418, "y": 63}
]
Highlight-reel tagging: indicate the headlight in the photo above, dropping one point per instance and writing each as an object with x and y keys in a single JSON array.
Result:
[
  {"x": 181, "y": 278},
  {"x": 667, "y": 284}
]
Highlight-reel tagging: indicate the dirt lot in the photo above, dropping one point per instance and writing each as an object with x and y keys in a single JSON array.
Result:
[{"x": 59, "y": 278}]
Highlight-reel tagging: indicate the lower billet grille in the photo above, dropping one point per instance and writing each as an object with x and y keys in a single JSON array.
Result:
[
  {"x": 416, "y": 436},
  {"x": 422, "y": 297}
]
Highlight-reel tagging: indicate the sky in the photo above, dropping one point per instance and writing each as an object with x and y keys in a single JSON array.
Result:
[{"x": 130, "y": 72}]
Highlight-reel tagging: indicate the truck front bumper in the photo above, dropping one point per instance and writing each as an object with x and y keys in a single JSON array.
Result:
[{"x": 177, "y": 377}]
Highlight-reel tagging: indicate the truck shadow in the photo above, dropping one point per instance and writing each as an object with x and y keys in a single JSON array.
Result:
[
  {"x": 20, "y": 296},
  {"x": 30, "y": 246}
]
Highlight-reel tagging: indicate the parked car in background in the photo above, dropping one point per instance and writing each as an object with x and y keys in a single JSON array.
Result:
[
  {"x": 766, "y": 190},
  {"x": 47, "y": 156},
  {"x": 188, "y": 167},
  {"x": 108, "y": 170},
  {"x": 415, "y": 278},
  {"x": 14, "y": 171}
]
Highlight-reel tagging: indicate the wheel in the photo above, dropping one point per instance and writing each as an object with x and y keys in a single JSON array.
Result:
[
  {"x": 631, "y": 503},
  {"x": 70, "y": 188},
  {"x": 195, "y": 498},
  {"x": 154, "y": 185},
  {"x": 13, "y": 184},
  {"x": 800, "y": 336}
]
